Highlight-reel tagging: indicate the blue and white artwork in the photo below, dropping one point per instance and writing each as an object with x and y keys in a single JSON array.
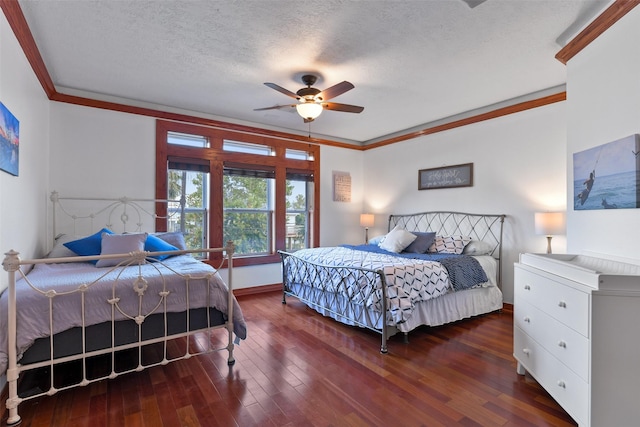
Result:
[
  {"x": 608, "y": 176},
  {"x": 9, "y": 141}
]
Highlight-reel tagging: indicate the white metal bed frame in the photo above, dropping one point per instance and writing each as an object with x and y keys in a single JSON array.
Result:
[{"x": 124, "y": 208}]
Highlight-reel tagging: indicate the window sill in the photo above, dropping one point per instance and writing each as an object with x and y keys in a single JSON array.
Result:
[{"x": 249, "y": 260}]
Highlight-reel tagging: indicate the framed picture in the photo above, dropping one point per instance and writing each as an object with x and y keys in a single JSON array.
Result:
[
  {"x": 9, "y": 141},
  {"x": 608, "y": 176},
  {"x": 446, "y": 177},
  {"x": 341, "y": 186}
]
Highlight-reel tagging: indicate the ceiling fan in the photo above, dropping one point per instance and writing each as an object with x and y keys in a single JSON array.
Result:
[{"x": 312, "y": 101}]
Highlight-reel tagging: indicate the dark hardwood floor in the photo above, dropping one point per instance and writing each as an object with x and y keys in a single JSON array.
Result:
[{"x": 298, "y": 368}]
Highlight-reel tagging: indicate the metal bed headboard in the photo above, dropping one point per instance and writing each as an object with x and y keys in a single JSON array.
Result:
[
  {"x": 82, "y": 215},
  {"x": 487, "y": 228}
]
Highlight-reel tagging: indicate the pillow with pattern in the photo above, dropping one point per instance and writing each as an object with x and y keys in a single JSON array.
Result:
[{"x": 449, "y": 244}]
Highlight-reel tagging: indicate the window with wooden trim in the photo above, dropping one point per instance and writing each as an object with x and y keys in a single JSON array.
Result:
[{"x": 260, "y": 192}]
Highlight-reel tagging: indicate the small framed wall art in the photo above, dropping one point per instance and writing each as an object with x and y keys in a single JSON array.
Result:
[
  {"x": 446, "y": 177},
  {"x": 341, "y": 186}
]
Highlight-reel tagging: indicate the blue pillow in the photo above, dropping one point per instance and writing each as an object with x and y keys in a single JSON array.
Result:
[
  {"x": 156, "y": 244},
  {"x": 175, "y": 238},
  {"x": 422, "y": 242},
  {"x": 90, "y": 245}
]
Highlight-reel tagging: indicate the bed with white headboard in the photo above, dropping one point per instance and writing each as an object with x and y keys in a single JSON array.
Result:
[
  {"x": 431, "y": 268},
  {"x": 111, "y": 288}
]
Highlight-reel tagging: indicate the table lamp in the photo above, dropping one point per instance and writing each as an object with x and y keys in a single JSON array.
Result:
[
  {"x": 549, "y": 224},
  {"x": 366, "y": 221}
]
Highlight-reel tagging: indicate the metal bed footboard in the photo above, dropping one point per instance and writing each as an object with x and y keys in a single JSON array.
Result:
[
  {"x": 345, "y": 293},
  {"x": 13, "y": 265}
]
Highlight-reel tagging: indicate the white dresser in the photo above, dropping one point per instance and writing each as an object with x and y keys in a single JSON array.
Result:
[{"x": 577, "y": 332}]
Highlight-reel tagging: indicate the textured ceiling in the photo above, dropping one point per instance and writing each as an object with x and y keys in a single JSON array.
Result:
[{"x": 412, "y": 62}]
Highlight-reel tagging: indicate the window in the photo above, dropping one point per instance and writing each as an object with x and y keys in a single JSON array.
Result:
[
  {"x": 249, "y": 209},
  {"x": 187, "y": 188},
  {"x": 260, "y": 192},
  {"x": 245, "y": 147},
  {"x": 299, "y": 210},
  {"x": 186, "y": 139},
  {"x": 298, "y": 154}
]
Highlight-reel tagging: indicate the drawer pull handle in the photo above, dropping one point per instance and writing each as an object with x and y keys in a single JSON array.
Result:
[
  {"x": 562, "y": 344},
  {"x": 562, "y": 304},
  {"x": 527, "y": 287},
  {"x": 526, "y": 351},
  {"x": 561, "y": 384},
  {"x": 527, "y": 320}
]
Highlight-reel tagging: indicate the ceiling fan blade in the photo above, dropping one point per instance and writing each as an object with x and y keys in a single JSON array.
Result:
[
  {"x": 274, "y": 107},
  {"x": 342, "y": 107},
  {"x": 282, "y": 90},
  {"x": 335, "y": 90}
]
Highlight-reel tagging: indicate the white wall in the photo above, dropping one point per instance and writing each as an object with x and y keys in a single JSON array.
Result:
[
  {"x": 519, "y": 169},
  {"x": 603, "y": 105},
  {"x": 340, "y": 221},
  {"x": 102, "y": 153},
  {"x": 22, "y": 219}
]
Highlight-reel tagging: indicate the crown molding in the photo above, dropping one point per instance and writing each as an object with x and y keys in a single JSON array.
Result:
[{"x": 599, "y": 25}]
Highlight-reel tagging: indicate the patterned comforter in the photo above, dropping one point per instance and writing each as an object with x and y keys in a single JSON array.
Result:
[{"x": 409, "y": 280}]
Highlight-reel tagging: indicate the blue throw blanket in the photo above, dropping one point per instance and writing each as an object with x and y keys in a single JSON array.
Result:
[{"x": 464, "y": 271}]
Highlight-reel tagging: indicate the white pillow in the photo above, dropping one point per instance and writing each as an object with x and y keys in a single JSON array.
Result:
[
  {"x": 59, "y": 250},
  {"x": 477, "y": 247},
  {"x": 397, "y": 239},
  {"x": 449, "y": 244},
  {"x": 120, "y": 244}
]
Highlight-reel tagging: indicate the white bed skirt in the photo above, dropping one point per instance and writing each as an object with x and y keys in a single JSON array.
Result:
[
  {"x": 454, "y": 306},
  {"x": 446, "y": 308}
]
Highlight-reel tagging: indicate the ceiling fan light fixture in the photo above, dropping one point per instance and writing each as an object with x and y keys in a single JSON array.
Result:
[{"x": 309, "y": 110}]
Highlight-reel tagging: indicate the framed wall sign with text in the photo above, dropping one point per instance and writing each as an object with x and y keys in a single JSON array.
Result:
[{"x": 446, "y": 177}]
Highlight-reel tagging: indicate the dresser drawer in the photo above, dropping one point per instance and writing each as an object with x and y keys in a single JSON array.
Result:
[
  {"x": 571, "y": 392},
  {"x": 567, "y": 345},
  {"x": 564, "y": 303}
]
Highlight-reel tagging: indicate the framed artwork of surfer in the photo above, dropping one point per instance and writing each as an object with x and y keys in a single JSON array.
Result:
[
  {"x": 9, "y": 141},
  {"x": 608, "y": 176}
]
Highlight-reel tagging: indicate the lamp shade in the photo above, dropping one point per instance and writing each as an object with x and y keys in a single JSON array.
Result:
[
  {"x": 366, "y": 220},
  {"x": 549, "y": 223},
  {"x": 309, "y": 110}
]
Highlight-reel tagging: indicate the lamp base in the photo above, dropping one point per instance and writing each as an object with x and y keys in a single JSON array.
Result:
[
  {"x": 548, "y": 244},
  {"x": 366, "y": 235}
]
